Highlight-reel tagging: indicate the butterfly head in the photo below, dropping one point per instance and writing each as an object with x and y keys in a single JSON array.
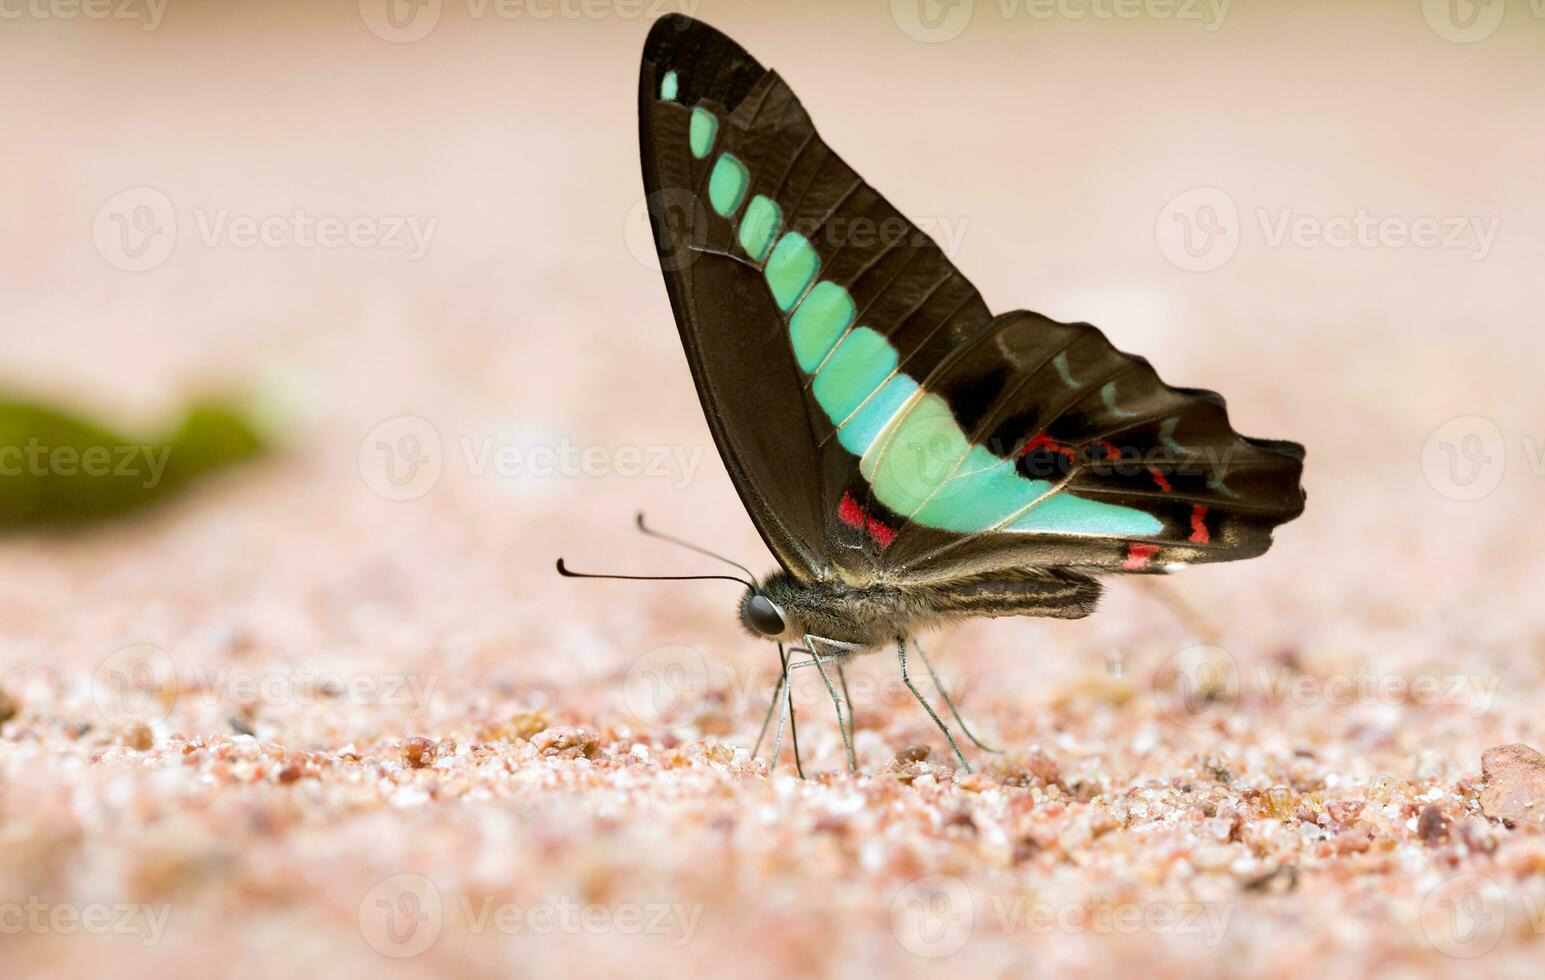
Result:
[{"x": 762, "y": 617}]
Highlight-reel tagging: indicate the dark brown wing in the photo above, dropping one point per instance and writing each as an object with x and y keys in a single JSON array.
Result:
[
  {"x": 1079, "y": 457},
  {"x": 792, "y": 475},
  {"x": 877, "y": 421}
]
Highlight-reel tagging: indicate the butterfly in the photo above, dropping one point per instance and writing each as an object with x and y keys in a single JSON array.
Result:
[{"x": 909, "y": 457}]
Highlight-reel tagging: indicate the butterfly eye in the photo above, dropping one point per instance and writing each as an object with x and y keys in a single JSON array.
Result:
[{"x": 764, "y": 617}]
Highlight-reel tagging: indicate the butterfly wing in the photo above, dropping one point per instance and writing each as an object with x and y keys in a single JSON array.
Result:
[
  {"x": 749, "y": 208},
  {"x": 878, "y": 422},
  {"x": 1038, "y": 443}
]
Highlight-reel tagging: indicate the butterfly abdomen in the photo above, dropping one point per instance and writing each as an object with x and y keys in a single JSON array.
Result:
[{"x": 873, "y": 615}]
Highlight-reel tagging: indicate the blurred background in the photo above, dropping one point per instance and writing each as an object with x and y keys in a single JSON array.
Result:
[{"x": 410, "y": 239}]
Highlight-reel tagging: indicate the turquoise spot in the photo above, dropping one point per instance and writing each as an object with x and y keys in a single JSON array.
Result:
[
  {"x": 789, "y": 272},
  {"x": 759, "y": 225},
  {"x": 917, "y": 454},
  {"x": 1063, "y": 371},
  {"x": 983, "y": 492},
  {"x": 911, "y": 449},
  {"x": 821, "y": 320},
  {"x": 727, "y": 184},
  {"x": 860, "y": 431},
  {"x": 668, "y": 86},
  {"x": 856, "y": 368},
  {"x": 1064, "y": 514},
  {"x": 1108, "y": 395},
  {"x": 705, "y": 128}
]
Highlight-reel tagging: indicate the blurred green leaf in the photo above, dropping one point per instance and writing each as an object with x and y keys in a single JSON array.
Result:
[{"x": 59, "y": 470}]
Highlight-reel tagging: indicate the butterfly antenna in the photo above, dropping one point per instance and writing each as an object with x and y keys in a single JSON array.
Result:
[
  {"x": 645, "y": 528},
  {"x": 565, "y": 571}
]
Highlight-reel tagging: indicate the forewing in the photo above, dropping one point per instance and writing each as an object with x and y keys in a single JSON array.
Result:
[
  {"x": 878, "y": 422},
  {"x": 795, "y": 286}
]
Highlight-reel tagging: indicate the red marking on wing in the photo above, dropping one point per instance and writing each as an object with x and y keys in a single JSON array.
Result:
[
  {"x": 1045, "y": 440},
  {"x": 1139, "y": 556},
  {"x": 1199, "y": 532},
  {"x": 882, "y": 535},
  {"x": 853, "y": 514},
  {"x": 1159, "y": 479},
  {"x": 1111, "y": 452},
  {"x": 850, "y": 512}
]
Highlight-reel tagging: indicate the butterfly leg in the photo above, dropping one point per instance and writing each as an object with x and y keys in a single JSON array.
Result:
[
  {"x": 842, "y": 726},
  {"x": 842, "y": 678},
  {"x": 772, "y": 705},
  {"x": 901, "y": 656},
  {"x": 786, "y": 710},
  {"x": 948, "y": 701}
]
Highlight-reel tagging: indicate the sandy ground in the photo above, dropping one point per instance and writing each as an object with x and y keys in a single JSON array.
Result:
[{"x": 335, "y": 715}]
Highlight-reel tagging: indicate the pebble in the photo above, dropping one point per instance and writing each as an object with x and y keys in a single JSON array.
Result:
[{"x": 1514, "y": 777}]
